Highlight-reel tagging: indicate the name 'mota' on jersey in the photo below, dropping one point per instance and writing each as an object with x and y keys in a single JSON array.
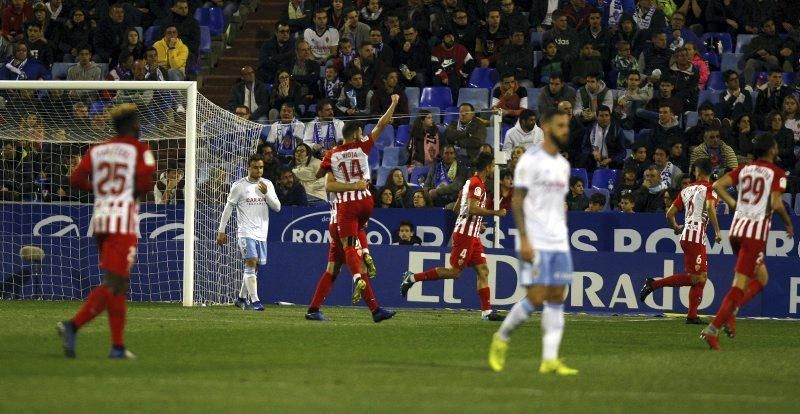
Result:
[
  {"x": 546, "y": 179},
  {"x": 755, "y": 184},
  {"x": 349, "y": 164},
  {"x": 252, "y": 208},
  {"x": 693, "y": 199},
  {"x": 467, "y": 224}
]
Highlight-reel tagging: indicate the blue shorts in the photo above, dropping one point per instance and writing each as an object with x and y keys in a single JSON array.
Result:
[
  {"x": 548, "y": 269},
  {"x": 253, "y": 249}
]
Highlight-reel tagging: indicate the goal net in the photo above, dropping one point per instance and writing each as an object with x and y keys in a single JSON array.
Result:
[{"x": 47, "y": 247}]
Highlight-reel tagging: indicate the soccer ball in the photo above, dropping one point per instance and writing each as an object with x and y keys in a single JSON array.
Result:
[{"x": 31, "y": 254}]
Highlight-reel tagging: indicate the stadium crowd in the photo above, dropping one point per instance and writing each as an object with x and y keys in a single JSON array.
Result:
[{"x": 653, "y": 85}]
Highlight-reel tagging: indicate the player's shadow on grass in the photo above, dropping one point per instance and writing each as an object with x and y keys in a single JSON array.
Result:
[{"x": 407, "y": 364}]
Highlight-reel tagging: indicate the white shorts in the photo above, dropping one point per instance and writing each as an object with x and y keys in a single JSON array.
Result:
[
  {"x": 253, "y": 249},
  {"x": 548, "y": 269}
]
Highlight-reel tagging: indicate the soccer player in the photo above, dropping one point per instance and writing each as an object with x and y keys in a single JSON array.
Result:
[
  {"x": 348, "y": 174},
  {"x": 252, "y": 197},
  {"x": 760, "y": 186},
  {"x": 541, "y": 183},
  {"x": 700, "y": 203},
  {"x": 121, "y": 170},
  {"x": 467, "y": 248}
]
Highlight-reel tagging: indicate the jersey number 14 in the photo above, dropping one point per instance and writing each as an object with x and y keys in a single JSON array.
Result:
[{"x": 355, "y": 170}]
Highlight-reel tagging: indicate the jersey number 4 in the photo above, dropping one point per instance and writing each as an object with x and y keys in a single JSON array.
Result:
[
  {"x": 111, "y": 178},
  {"x": 355, "y": 170}
]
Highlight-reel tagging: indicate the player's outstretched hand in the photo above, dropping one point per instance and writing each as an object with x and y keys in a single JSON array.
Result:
[
  {"x": 395, "y": 98},
  {"x": 361, "y": 185},
  {"x": 222, "y": 238},
  {"x": 262, "y": 187},
  {"x": 501, "y": 213}
]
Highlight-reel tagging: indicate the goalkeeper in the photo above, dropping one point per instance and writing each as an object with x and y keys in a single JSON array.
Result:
[{"x": 250, "y": 196}]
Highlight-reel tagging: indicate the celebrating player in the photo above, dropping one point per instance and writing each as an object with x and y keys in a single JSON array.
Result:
[
  {"x": 541, "y": 183},
  {"x": 467, "y": 248},
  {"x": 121, "y": 170},
  {"x": 700, "y": 202},
  {"x": 250, "y": 196},
  {"x": 348, "y": 174},
  {"x": 760, "y": 186}
]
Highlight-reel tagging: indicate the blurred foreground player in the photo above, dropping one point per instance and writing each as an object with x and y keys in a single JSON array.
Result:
[
  {"x": 700, "y": 203},
  {"x": 467, "y": 247},
  {"x": 541, "y": 182},
  {"x": 760, "y": 186},
  {"x": 121, "y": 170}
]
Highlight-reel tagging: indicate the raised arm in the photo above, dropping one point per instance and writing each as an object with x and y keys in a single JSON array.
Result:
[
  {"x": 80, "y": 176},
  {"x": 386, "y": 119},
  {"x": 721, "y": 188}
]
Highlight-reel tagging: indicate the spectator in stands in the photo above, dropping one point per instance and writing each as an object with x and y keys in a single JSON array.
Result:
[
  {"x": 735, "y": 101},
  {"x": 555, "y": 91},
  {"x": 684, "y": 180},
  {"x": 657, "y": 55},
  {"x": 84, "y": 70},
  {"x": 346, "y": 55},
  {"x": 686, "y": 78},
  {"x": 110, "y": 34},
  {"x": 771, "y": 96},
  {"x": 229, "y": 8},
  {"x": 465, "y": 32},
  {"x": 512, "y": 19},
  {"x": 275, "y": 52},
  {"x": 597, "y": 203},
  {"x": 99, "y": 122},
  {"x": 785, "y": 140},
  {"x": 75, "y": 32},
  {"x": 627, "y": 203},
  {"x": 525, "y": 133},
  {"x": 791, "y": 116},
  {"x": 305, "y": 168},
  {"x": 722, "y": 156},
  {"x": 330, "y": 86},
  {"x": 624, "y": 63},
  {"x": 741, "y": 138},
  {"x": 304, "y": 70},
  {"x": 286, "y": 133},
  {"x": 187, "y": 26},
  {"x": 285, "y": 90},
  {"x": 446, "y": 178},
  {"x": 626, "y": 185},
  {"x": 665, "y": 98},
  {"x": 468, "y": 133},
  {"x": 511, "y": 98},
  {"x": 133, "y": 45},
  {"x": 141, "y": 97},
  {"x": 419, "y": 199},
  {"x": 567, "y": 40},
  {"x": 669, "y": 171},
  {"x": 648, "y": 17},
  {"x": 357, "y": 32},
  {"x": 577, "y": 13},
  {"x": 297, "y": 16},
  {"x": 62, "y": 190},
  {"x": 406, "y": 236},
  {"x": 271, "y": 164},
  {"x": 169, "y": 187},
  {"x": 598, "y": 36},
  {"x": 368, "y": 65},
  {"x": 336, "y": 15},
  {"x": 324, "y": 131},
  {"x": 386, "y": 199},
  {"x": 577, "y": 131},
  {"x": 172, "y": 54},
  {"x": 19, "y": 67},
  {"x": 15, "y": 15},
  {"x": 590, "y": 97},
  {"x": 290, "y": 192},
  {"x": 576, "y": 199},
  {"x": 216, "y": 188},
  {"x": 706, "y": 118},
  {"x": 413, "y": 57},
  {"x": 252, "y": 93},
  {"x": 451, "y": 63},
  {"x": 153, "y": 71},
  {"x": 516, "y": 153},
  {"x": 10, "y": 173},
  {"x": 649, "y": 197},
  {"x": 38, "y": 48},
  {"x": 629, "y": 32},
  {"x": 541, "y": 15},
  {"x": 638, "y": 159},
  {"x": 56, "y": 10},
  {"x": 588, "y": 62},
  {"x": 382, "y": 98},
  {"x": 355, "y": 98},
  {"x": 724, "y": 16},
  {"x": 604, "y": 145},
  {"x": 396, "y": 182},
  {"x": 424, "y": 144},
  {"x": 322, "y": 39},
  {"x": 80, "y": 116},
  {"x": 667, "y": 130},
  {"x": 383, "y": 51},
  {"x": 678, "y": 24},
  {"x": 700, "y": 64},
  {"x": 633, "y": 97},
  {"x": 551, "y": 63},
  {"x": 372, "y": 14},
  {"x": 767, "y": 51}
]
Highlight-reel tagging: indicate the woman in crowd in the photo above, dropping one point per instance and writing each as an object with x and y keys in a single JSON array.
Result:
[
  {"x": 425, "y": 144},
  {"x": 134, "y": 45},
  {"x": 791, "y": 116},
  {"x": 386, "y": 199},
  {"x": 699, "y": 63},
  {"x": 284, "y": 90},
  {"x": 741, "y": 138},
  {"x": 305, "y": 168},
  {"x": 420, "y": 199},
  {"x": 785, "y": 140},
  {"x": 75, "y": 32},
  {"x": 396, "y": 183}
]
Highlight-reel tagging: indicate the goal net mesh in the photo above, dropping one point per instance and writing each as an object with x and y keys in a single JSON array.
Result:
[{"x": 47, "y": 247}]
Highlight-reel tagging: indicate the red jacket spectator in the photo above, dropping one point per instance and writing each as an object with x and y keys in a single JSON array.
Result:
[
  {"x": 14, "y": 18},
  {"x": 447, "y": 62},
  {"x": 577, "y": 12}
]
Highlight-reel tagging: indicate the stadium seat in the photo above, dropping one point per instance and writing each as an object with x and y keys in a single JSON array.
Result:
[
  {"x": 689, "y": 119},
  {"x": 483, "y": 78},
  {"x": 788, "y": 198},
  {"x": 402, "y": 135},
  {"x": 394, "y": 156},
  {"x": 797, "y": 205},
  {"x": 151, "y": 35},
  {"x": 644, "y": 136},
  {"x": 374, "y": 158},
  {"x": 140, "y": 30},
  {"x": 478, "y": 97},
  {"x": 205, "y": 40},
  {"x": 436, "y": 96},
  {"x": 715, "y": 82},
  {"x": 451, "y": 114},
  {"x": 386, "y": 139},
  {"x": 604, "y": 178},
  {"x": 211, "y": 17},
  {"x": 537, "y": 57},
  {"x": 536, "y": 39},
  {"x": 710, "y": 96},
  {"x": 490, "y": 136},
  {"x": 722, "y": 208},
  {"x": 59, "y": 70},
  {"x": 584, "y": 176},
  {"x": 742, "y": 41},
  {"x": 412, "y": 94},
  {"x": 383, "y": 174},
  {"x": 603, "y": 191},
  {"x": 629, "y": 136},
  {"x": 731, "y": 61},
  {"x": 713, "y": 60},
  {"x": 725, "y": 38},
  {"x": 533, "y": 98},
  {"x": 419, "y": 174}
]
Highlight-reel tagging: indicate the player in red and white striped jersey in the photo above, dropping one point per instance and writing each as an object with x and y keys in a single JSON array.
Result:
[
  {"x": 121, "y": 170},
  {"x": 348, "y": 175},
  {"x": 467, "y": 248},
  {"x": 760, "y": 186},
  {"x": 700, "y": 202}
]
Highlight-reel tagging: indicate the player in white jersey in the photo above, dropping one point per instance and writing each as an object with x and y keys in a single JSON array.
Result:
[
  {"x": 760, "y": 186},
  {"x": 252, "y": 197},
  {"x": 700, "y": 203},
  {"x": 541, "y": 183}
]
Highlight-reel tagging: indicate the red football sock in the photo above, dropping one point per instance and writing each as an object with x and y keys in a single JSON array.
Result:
[
  {"x": 681, "y": 279},
  {"x": 732, "y": 301},
  {"x": 369, "y": 296},
  {"x": 93, "y": 306},
  {"x": 484, "y": 294},
  {"x": 324, "y": 287},
  {"x": 695, "y": 297},
  {"x": 426, "y": 275},
  {"x": 117, "y": 308},
  {"x": 353, "y": 260},
  {"x": 754, "y": 288}
]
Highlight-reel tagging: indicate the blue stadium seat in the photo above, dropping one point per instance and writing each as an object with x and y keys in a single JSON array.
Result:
[
  {"x": 690, "y": 119},
  {"x": 211, "y": 17},
  {"x": 394, "y": 156},
  {"x": 437, "y": 96},
  {"x": 742, "y": 41},
  {"x": 603, "y": 191},
  {"x": 536, "y": 39},
  {"x": 402, "y": 135},
  {"x": 97, "y": 107},
  {"x": 383, "y": 174},
  {"x": 533, "y": 98},
  {"x": 731, "y": 61},
  {"x": 490, "y": 136},
  {"x": 537, "y": 57},
  {"x": 205, "y": 40},
  {"x": 419, "y": 174},
  {"x": 374, "y": 158},
  {"x": 451, "y": 114},
  {"x": 713, "y": 60},
  {"x": 386, "y": 139},
  {"x": 368, "y": 128},
  {"x": 483, "y": 78},
  {"x": 725, "y": 38},
  {"x": 140, "y": 30},
  {"x": 478, "y": 97},
  {"x": 644, "y": 136},
  {"x": 788, "y": 198},
  {"x": 584, "y": 176},
  {"x": 722, "y": 208},
  {"x": 412, "y": 94},
  {"x": 708, "y": 96},
  {"x": 59, "y": 70},
  {"x": 629, "y": 136},
  {"x": 797, "y": 205},
  {"x": 604, "y": 178},
  {"x": 151, "y": 35},
  {"x": 715, "y": 82}
]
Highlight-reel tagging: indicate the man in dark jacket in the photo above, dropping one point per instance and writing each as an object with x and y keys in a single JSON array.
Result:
[
  {"x": 649, "y": 198},
  {"x": 413, "y": 57},
  {"x": 511, "y": 17},
  {"x": 771, "y": 97},
  {"x": 111, "y": 32},
  {"x": 686, "y": 77},
  {"x": 517, "y": 58},
  {"x": 566, "y": 38},
  {"x": 290, "y": 192},
  {"x": 707, "y": 118},
  {"x": 577, "y": 12},
  {"x": 443, "y": 185},
  {"x": 656, "y": 55},
  {"x": 767, "y": 51},
  {"x": 304, "y": 70},
  {"x": 599, "y": 37},
  {"x": 187, "y": 26},
  {"x": 382, "y": 98},
  {"x": 603, "y": 146},
  {"x": 275, "y": 52},
  {"x": 252, "y": 93},
  {"x": 735, "y": 101},
  {"x": 468, "y": 133}
]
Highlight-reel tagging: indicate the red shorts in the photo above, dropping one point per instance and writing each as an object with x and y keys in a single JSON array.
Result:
[
  {"x": 750, "y": 254},
  {"x": 695, "y": 259},
  {"x": 353, "y": 216},
  {"x": 335, "y": 250},
  {"x": 467, "y": 251},
  {"x": 117, "y": 253}
]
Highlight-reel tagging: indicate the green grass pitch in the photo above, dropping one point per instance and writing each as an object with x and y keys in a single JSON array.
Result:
[{"x": 221, "y": 359}]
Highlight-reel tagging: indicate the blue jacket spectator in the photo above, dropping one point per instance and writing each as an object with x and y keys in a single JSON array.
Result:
[{"x": 21, "y": 67}]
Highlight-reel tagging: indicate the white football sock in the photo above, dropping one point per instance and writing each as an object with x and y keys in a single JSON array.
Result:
[
  {"x": 552, "y": 329},
  {"x": 243, "y": 290},
  {"x": 518, "y": 314},
  {"x": 251, "y": 281}
]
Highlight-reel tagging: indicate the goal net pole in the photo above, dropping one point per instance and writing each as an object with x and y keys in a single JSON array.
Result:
[{"x": 190, "y": 194}]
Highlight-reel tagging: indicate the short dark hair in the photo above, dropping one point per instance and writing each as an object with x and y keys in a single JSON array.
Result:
[
  {"x": 255, "y": 157},
  {"x": 506, "y": 173},
  {"x": 574, "y": 180},
  {"x": 705, "y": 106},
  {"x": 467, "y": 104},
  {"x": 593, "y": 74},
  {"x": 704, "y": 165},
  {"x": 556, "y": 75},
  {"x": 603, "y": 108},
  {"x": 33, "y": 24},
  {"x": 283, "y": 170},
  {"x": 762, "y": 144},
  {"x": 526, "y": 113},
  {"x": 557, "y": 14},
  {"x": 710, "y": 128},
  {"x": 508, "y": 74},
  {"x": 348, "y": 10},
  {"x": 662, "y": 148},
  {"x": 350, "y": 128},
  {"x": 483, "y": 160},
  {"x": 320, "y": 10},
  {"x": 548, "y": 116},
  {"x": 407, "y": 224},
  {"x": 636, "y": 146},
  {"x": 628, "y": 197},
  {"x": 125, "y": 118},
  {"x": 597, "y": 198},
  {"x": 668, "y": 80},
  {"x": 322, "y": 102}
]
